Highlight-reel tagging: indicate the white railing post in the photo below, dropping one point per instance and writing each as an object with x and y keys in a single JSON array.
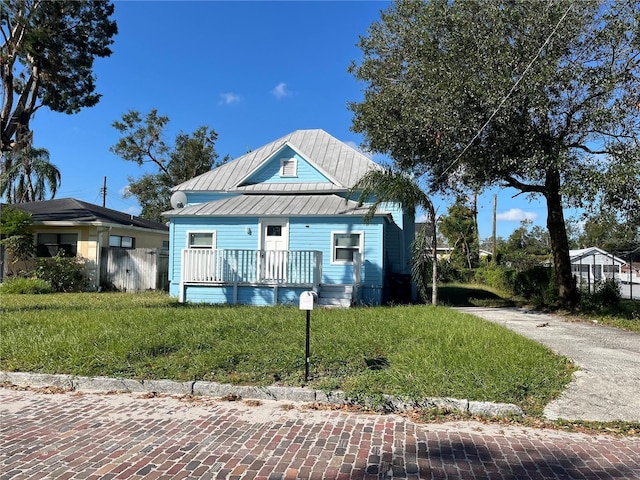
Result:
[{"x": 317, "y": 271}]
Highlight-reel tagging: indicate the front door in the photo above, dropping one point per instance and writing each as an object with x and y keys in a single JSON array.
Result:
[{"x": 275, "y": 243}]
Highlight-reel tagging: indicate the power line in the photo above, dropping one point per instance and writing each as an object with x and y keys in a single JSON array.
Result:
[{"x": 506, "y": 97}]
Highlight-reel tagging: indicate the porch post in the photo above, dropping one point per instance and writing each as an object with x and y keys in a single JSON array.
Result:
[{"x": 235, "y": 279}]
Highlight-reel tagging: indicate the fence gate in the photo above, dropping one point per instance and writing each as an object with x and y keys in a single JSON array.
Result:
[{"x": 135, "y": 270}]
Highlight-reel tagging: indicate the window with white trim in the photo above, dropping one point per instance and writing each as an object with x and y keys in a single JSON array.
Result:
[
  {"x": 289, "y": 167},
  {"x": 202, "y": 240},
  {"x": 344, "y": 245}
]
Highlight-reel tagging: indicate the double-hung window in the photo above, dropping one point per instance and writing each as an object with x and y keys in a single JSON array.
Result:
[{"x": 345, "y": 245}]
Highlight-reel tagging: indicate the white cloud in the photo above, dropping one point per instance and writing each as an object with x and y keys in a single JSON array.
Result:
[
  {"x": 516, "y": 215},
  {"x": 281, "y": 91},
  {"x": 229, "y": 98}
]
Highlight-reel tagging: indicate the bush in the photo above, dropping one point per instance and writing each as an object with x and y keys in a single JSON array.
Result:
[
  {"x": 65, "y": 274},
  {"x": 496, "y": 276},
  {"x": 448, "y": 272},
  {"x": 28, "y": 286},
  {"x": 605, "y": 294},
  {"x": 536, "y": 284}
]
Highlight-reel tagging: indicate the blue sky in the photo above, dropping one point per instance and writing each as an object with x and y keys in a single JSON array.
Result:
[{"x": 252, "y": 71}]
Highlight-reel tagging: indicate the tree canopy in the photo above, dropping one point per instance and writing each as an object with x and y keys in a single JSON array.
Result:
[
  {"x": 539, "y": 96},
  {"x": 460, "y": 229},
  {"x": 46, "y": 59},
  {"x": 143, "y": 142}
]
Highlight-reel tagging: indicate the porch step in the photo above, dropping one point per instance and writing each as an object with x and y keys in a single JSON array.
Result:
[{"x": 333, "y": 295}]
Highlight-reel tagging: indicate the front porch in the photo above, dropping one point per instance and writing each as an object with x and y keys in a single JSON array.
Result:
[{"x": 266, "y": 277}]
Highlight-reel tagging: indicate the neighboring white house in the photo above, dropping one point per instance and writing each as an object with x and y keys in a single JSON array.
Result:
[{"x": 592, "y": 265}]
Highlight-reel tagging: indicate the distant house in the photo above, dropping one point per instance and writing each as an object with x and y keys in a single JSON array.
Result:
[
  {"x": 592, "y": 265},
  {"x": 275, "y": 222},
  {"x": 90, "y": 231},
  {"x": 443, "y": 252},
  {"x": 631, "y": 272}
]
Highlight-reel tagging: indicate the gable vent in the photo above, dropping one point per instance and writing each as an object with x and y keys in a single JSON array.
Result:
[{"x": 288, "y": 167}]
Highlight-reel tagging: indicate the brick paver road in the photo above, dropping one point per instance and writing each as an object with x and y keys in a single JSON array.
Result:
[{"x": 93, "y": 436}]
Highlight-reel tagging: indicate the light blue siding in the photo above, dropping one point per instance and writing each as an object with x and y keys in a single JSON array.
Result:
[
  {"x": 270, "y": 172},
  {"x": 237, "y": 233},
  {"x": 315, "y": 234},
  {"x": 246, "y": 295}
]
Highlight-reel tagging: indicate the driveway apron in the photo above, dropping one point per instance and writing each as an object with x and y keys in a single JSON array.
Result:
[{"x": 607, "y": 386}]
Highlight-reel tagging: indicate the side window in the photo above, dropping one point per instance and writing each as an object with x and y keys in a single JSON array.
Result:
[
  {"x": 202, "y": 240},
  {"x": 122, "y": 242},
  {"x": 49, "y": 244},
  {"x": 344, "y": 245}
]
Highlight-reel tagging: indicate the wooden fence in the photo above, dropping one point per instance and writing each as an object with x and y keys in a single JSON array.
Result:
[{"x": 134, "y": 270}]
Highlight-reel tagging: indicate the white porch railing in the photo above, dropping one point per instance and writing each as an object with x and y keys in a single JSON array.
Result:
[{"x": 271, "y": 267}]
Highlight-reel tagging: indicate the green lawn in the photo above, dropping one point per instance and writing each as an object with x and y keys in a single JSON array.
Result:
[{"x": 416, "y": 351}]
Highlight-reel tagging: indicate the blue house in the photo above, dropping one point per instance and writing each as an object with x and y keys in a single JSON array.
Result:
[{"x": 275, "y": 222}]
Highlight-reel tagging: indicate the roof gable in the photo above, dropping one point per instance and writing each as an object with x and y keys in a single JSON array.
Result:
[
  {"x": 298, "y": 169},
  {"x": 339, "y": 163},
  {"x": 586, "y": 253}
]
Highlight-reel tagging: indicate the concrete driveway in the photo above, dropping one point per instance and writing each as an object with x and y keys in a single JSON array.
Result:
[{"x": 607, "y": 386}]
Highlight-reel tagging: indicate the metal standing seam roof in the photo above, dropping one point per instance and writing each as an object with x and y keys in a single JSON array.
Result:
[
  {"x": 342, "y": 162},
  {"x": 275, "y": 205}
]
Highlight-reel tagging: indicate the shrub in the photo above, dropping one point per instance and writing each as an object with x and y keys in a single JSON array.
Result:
[
  {"x": 536, "y": 284},
  {"x": 605, "y": 294},
  {"x": 65, "y": 274},
  {"x": 496, "y": 276},
  {"x": 448, "y": 272},
  {"x": 28, "y": 286}
]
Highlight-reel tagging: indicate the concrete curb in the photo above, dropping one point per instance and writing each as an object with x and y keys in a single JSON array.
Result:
[{"x": 388, "y": 404}]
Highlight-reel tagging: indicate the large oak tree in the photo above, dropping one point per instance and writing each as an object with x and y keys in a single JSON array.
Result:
[
  {"x": 541, "y": 96},
  {"x": 46, "y": 59}
]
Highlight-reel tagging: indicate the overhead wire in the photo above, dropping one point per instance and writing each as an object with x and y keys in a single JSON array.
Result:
[{"x": 506, "y": 97}]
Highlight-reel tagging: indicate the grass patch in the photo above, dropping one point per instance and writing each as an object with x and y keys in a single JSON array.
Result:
[
  {"x": 625, "y": 315},
  {"x": 413, "y": 351}
]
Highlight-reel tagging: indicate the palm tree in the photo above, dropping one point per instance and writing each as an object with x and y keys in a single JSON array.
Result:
[
  {"x": 389, "y": 186},
  {"x": 27, "y": 175}
]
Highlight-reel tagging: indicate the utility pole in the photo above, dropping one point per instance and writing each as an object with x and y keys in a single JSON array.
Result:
[
  {"x": 494, "y": 249},
  {"x": 103, "y": 190}
]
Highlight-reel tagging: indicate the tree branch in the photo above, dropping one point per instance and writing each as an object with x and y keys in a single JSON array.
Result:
[{"x": 523, "y": 187}]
